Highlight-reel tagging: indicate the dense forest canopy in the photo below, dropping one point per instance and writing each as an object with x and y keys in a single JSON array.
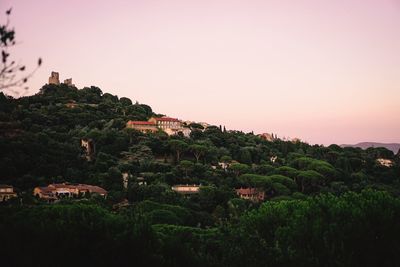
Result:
[{"x": 324, "y": 206}]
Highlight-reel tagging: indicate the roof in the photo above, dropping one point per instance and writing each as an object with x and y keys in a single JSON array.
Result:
[
  {"x": 5, "y": 186},
  {"x": 248, "y": 191},
  {"x": 186, "y": 185},
  {"x": 166, "y": 119},
  {"x": 141, "y": 123},
  {"x": 92, "y": 188},
  {"x": 186, "y": 189},
  {"x": 81, "y": 187}
]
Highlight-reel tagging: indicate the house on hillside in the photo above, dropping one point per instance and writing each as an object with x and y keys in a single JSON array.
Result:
[
  {"x": 66, "y": 190},
  {"x": 252, "y": 194},
  {"x": 142, "y": 126},
  {"x": 267, "y": 137},
  {"x": 186, "y": 189},
  {"x": 6, "y": 192},
  {"x": 385, "y": 162},
  {"x": 165, "y": 123},
  {"x": 170, "y": 126}
]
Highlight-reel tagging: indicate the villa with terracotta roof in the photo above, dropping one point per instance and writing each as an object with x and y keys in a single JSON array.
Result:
[
  {"x": 166, "y": 123},
  {"x": 252, "y": 194},
  {"x": 6, "y": 192},
  {"x": 66, "y": 190},
  {"x": 171, "y": 126}
]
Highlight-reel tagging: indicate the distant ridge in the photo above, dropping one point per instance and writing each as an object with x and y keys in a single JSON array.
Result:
[{"x": 364, "y": 145}]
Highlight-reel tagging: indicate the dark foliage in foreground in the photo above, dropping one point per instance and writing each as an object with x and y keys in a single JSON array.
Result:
[{"x": 350, "y": 230}]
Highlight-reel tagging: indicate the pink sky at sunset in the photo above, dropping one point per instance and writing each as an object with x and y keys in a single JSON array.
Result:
[{"x": 321, "y": 70}]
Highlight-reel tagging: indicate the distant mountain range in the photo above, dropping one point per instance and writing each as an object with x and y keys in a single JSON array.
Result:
[{"x": 364, "y": 145}]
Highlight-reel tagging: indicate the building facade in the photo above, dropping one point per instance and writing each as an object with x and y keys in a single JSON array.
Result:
[
  {"x": 142, "y": 126},
  {"x": 385, "y": 162},
  {"x": 170, "y": 126},
  {"x": 267, "y": 137},
  {"x": 186, "y": 189},
  {"x": 6, "y": 192},
  {"x": 66, "y": 190},
  {"x": 166, "y": 123},
  {"x": 252, "y": 194}
]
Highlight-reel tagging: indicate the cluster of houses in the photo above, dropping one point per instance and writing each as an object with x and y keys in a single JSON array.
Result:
[
  {"x": 54, "y": 192},
  {"x": 252, "y": 194},
  {"x": 171, "y": 126},
  {"x": 58, "y": 191}
]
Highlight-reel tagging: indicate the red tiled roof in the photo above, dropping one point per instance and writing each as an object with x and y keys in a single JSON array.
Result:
[
  {"x": 91, "y": 188},
  {"x": 80, "y": 187},
  {"x": 166, "y": 119},
  {"x": 247, "y": 191},
  {"x": 140, "y": 123},
  {"x": 46, "y": 189}
]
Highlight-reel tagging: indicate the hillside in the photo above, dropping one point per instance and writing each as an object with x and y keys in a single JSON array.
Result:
[
  {"x": 276, "y": 192},
  {"x": 395, "y": 147}
]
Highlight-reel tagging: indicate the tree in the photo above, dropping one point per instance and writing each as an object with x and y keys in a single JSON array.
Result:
[
  {"x": 178, "y": 147},
  {"x": 264, "y": 169},
  {"x": 125, "y": 101},
  {"x": 226, "y": 159},
  {"x": 198, "y": 150},
  {"x": 309, "y": 181},
  {"x": 138, "y": 154},
  {"x": 255, "y": 180},
  {"x": 245, "y": 156},
  {"x": 12, "y": 74},
  {"x": 186, "y": 166},
  {"x": 287, "y": 171},
  {"x": 286, "y": 181},
  {"x": 196, "y": 126},
  {"x": 239, "y": 168}
]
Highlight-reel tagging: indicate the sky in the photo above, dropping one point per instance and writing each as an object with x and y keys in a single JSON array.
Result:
[{"x": 320, "y": 70}]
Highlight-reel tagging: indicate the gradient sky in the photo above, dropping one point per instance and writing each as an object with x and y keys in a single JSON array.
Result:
[{"x": 321, "y": 70}]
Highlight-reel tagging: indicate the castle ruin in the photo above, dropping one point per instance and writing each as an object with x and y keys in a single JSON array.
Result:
[
  {"x": 68, "y": 82},
  {"x": 54, "y": 78}
]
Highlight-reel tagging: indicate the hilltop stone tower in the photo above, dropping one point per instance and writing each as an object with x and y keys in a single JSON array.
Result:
[
  {"x": 54, "y": 78},
  {"x": 68, "y": 82}
]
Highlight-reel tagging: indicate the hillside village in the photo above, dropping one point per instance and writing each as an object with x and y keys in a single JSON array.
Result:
[
  {"x": 148, "y": 186},
  {"x": 92, "y": 177},
  {"x": 180, "y": 132},
  {"x": 171, "y": 126}
]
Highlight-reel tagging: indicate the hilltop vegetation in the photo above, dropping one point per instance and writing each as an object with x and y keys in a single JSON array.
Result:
[
  {"x": 395, "y": 147},
  {"x": 325, "y": 206}
]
